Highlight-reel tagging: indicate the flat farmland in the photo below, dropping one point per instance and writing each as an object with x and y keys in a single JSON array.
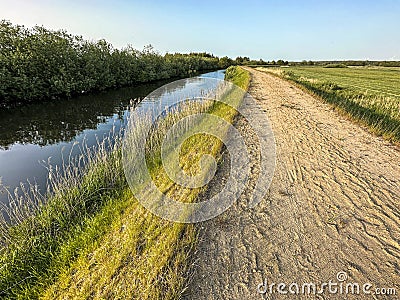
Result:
[
  {"x": 374, "y": 81},
  {"x": 369, "y": 95}
]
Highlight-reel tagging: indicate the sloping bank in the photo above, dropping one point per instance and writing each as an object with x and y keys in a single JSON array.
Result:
[{"x": 92, "y": 239}]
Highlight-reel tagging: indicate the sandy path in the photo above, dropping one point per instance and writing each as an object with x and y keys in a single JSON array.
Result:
[{"x": 333, "y": 206}]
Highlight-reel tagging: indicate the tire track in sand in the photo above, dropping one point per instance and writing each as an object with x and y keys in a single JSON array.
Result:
[{"x": 333, "y": 206}]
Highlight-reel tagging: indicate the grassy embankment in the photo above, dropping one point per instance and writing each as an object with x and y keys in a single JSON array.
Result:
[
  {"x": 371, "y": 96},
  {"x": 92, "y": 239}
]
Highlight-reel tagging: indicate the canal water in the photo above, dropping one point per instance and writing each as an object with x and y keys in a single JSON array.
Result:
[{"x": 34, "y": 135}]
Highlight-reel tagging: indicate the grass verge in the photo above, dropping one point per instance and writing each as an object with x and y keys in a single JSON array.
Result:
[{"x": 93, "y": 239}]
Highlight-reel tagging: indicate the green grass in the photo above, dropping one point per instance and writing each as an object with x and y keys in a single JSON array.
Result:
[
  {"x": 238, "y": 76},
  {"x": 369, "y": 95},
  {"x": 93, "y": 239},
  {"x": 43, "y": 240}
]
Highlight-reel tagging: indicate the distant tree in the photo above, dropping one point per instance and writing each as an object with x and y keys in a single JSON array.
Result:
[
  {"x": 388, "y": 63},
  {"x": 225, "y": 62},
  {"x": 239, "y": 60},
  {"x": 202, "y": 54},
  {"x": 242, "y": 60}
]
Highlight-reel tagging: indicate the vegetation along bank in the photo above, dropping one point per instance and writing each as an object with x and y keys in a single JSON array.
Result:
[
  {"x": 39, "y": 64},
  {"x": 92, "y": 238}
]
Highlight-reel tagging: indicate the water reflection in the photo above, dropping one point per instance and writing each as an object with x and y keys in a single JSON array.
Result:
[
  {"x": 35, "y": 133},
  {"x": 61, "y": 121}
]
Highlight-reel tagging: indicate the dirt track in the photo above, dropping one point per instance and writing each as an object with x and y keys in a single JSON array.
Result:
[{"x": 333, "y": 206}]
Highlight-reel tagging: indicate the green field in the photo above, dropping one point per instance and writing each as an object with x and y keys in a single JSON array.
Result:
[
  {"x": 373, "y": 81},
  {"x": 369, "y": 95}
]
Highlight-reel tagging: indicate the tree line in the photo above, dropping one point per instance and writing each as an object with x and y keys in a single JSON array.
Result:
[
  {"x": 352, "y": 63},
  {"x": 39, "y": 64}
]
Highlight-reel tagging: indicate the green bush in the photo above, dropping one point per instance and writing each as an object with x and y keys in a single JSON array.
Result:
[
  {"x": 39, "y": 64},
  {"x": 335, "y": 66}
]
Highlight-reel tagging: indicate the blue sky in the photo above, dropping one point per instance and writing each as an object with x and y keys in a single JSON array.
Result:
[{"x": 270, "y": 29}]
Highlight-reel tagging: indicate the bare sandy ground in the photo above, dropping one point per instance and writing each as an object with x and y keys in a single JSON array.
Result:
[{"x": 333, "y": 206}]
